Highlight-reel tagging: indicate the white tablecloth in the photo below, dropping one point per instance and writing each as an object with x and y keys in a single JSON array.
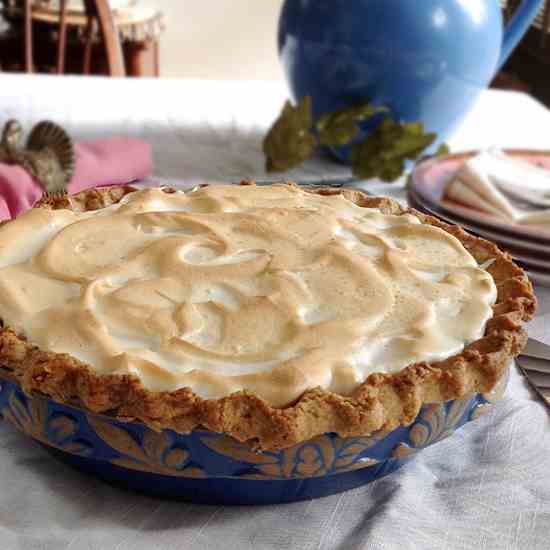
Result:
[{"x": 487, "y": 487}]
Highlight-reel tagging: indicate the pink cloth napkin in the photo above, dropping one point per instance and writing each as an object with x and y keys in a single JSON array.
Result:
[{"x": 112, "y": 161}]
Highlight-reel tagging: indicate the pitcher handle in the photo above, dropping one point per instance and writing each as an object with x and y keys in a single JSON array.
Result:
[{"x": 517, "y": 27}]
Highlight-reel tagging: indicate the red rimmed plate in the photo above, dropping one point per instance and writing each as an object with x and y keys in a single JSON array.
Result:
[{"x": 430, "y": 177}]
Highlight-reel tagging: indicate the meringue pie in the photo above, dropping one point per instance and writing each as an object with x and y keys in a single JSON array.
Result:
[{"x": 270, "y": 313}]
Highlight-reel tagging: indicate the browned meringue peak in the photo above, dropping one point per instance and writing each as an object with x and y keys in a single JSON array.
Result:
[{"x": 267, "y": 289}]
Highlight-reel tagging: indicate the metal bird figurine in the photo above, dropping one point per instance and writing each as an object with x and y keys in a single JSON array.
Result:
[{"x": 48, "y": 156}]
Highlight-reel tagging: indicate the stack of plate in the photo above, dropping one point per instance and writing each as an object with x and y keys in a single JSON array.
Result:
[{"x": 528, "y": 244}]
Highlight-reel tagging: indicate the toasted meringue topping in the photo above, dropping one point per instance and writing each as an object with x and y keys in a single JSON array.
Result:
[{"x": 272, "y": 290}]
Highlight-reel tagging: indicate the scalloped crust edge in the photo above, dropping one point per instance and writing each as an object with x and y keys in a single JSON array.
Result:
[{"x": 382, "y": 403}]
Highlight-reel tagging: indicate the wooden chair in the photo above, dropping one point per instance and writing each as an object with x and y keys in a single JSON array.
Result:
[
  {"x": 99, "y": 16},
  {"x": 530, "y": 61}
]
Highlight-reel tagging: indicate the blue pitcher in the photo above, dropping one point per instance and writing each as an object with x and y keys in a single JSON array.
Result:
[{"x": 426, "y": 60}]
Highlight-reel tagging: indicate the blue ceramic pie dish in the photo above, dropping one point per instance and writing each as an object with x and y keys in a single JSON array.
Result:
[{"x": 213, "y": 468}]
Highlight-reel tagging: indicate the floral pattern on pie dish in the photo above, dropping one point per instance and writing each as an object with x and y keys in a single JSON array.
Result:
[{"x": 214, "y": 468}]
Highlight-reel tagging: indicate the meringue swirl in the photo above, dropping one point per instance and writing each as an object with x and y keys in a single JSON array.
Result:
[{"x": 272, "y": 290}]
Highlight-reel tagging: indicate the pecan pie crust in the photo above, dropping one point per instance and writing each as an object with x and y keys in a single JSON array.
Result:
[{"x": 383, "y": 402}]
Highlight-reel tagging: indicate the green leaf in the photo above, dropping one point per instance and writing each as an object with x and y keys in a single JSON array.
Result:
[
  {"x": 442, "y": 150},
  {"x": 341, "y": 127},
  {"x": 384, "y": 152},
  {"x": 290, "y": 140}
]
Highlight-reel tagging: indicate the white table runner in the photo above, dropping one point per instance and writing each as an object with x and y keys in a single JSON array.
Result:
[{"x": 487, "y": 487}]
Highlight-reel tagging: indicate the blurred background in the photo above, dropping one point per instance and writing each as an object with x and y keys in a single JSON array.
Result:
[{"x": 221, "y": 39}]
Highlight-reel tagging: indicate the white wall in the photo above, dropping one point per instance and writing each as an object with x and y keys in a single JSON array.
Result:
[{"x": 220, "y": 39}]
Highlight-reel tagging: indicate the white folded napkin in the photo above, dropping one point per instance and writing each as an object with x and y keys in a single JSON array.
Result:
[{"x": 492, "y": 182}]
